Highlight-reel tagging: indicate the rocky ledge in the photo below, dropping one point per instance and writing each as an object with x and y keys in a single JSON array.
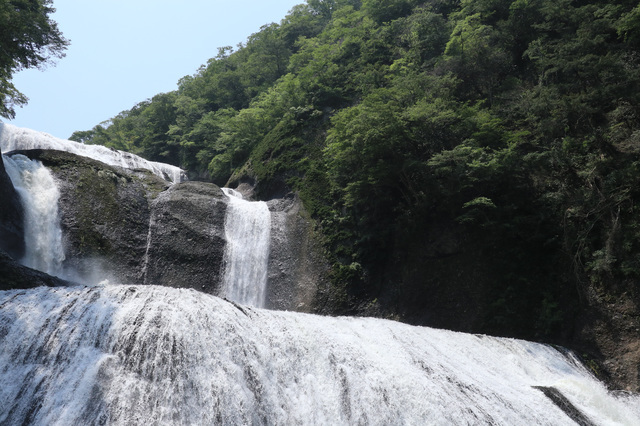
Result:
[{"x": 130, "y": 226}]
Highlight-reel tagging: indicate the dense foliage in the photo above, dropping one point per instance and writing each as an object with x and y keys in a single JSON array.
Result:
[
  {"x": 513, "y": 126},
  {"x": 28, "y": 38}
]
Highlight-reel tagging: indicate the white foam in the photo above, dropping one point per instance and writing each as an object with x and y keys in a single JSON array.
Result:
[
  {"x": 152, "y": 355},
  {"x": 16, "y": 138}
]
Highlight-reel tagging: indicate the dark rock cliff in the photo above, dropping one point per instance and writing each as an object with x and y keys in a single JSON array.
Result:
[
  {"x": 104, "y": 214},
  {"x": 129, "y": 226},
  {"x": 450, "y": 279},
  {"x": 608, "y": 331},
  {"x": 11, "y": 217}
]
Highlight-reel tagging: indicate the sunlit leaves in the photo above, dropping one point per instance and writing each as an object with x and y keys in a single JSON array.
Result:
[{"x": 516, "y": 122}]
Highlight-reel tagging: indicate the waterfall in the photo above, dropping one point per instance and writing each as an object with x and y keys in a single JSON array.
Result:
[
  {"x": 39, "y": 195},
  {"x": 247, "y": 231},
  {"x": 16, "y": 138},
  {"x": 127, "y": 355}
]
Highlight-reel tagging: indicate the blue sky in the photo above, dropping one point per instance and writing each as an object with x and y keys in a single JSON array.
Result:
[{"x": 125, "y": 51}]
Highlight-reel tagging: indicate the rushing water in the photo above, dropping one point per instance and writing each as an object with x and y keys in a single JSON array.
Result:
[
  {"x": 39, "y": 195},
  {"x": 247, "y": 231},
  {"x": 129, "y": 355},
  {"x": 17, "y": 138},
  {"x": 151, "y": 355}
]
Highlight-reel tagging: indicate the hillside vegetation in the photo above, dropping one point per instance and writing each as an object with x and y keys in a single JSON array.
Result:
[{"x": 482, "y": 156}]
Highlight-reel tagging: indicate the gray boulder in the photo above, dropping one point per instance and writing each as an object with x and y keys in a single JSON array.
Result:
[
  {"x": 186, "y": 237},
  {"x": 129, "y": 226},
  {"x": 104, "y": 215}
]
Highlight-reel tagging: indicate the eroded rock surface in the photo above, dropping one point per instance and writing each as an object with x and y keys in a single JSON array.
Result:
[
  {"x": 129, "y": 226},
  {"x": 186, "y": 237},
  {"x": 297, "y": 268}
]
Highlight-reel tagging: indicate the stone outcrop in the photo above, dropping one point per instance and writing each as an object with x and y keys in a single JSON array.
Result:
[
  {"x": 129, "y": 226},
  {"x": 186, "y": 237},
  {"x": 15, "y": 276},
  {"x": 104, "y": 213},
  {"x": 297, "y": 267}
]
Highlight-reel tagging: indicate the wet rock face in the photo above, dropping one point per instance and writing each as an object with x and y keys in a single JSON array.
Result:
[
  {"x": 16, "y": 276},
  {"x": 609, "y": 330},
  {"x": 104, "y": 215},
  {"x": 297, "y": 269},
  {"x": 133, "y": 227},
  {"x": 186, "y": 237},
  {"x": 11, "y": 217}
]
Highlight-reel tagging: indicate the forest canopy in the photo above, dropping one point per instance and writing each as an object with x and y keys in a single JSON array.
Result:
[{"x": 516, "y": 123}]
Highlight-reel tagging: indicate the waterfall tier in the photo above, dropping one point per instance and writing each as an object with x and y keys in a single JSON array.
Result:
[
  {"x": 39, "y": 195},
  {"x": 155, "y": 355},
  {"x": 16, "y": 138},
  {"x": 247, "y": 231}
]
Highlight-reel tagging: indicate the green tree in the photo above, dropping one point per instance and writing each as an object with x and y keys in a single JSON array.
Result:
[
  {"x": 387, "y": 10},
  {"x": 28, "y": 38},
  {"x": 507, "y": 123}
]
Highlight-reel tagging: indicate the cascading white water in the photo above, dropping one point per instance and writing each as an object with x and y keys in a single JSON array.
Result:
[
  {"x": 128, "y": 355},
  {"x": 16, "y": 138},
  {"x": 150, "y": 355},
  {"x": 39, "y": 195},
  {"x": 247, "y": 232}
]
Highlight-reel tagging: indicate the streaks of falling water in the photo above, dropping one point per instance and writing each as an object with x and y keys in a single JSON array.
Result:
[
  {"x": 39, "y": 194},
  {"x": 247, "y": 231}
]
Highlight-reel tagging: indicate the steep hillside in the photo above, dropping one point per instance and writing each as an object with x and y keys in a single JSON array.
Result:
[{"x": 468, "y": 164}]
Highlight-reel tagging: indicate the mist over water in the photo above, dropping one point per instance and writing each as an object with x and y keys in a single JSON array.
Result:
[{"x": 247, "y": 231}]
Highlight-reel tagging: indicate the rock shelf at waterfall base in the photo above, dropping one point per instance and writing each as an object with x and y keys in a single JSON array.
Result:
[{"x": 155, "y": 355}]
